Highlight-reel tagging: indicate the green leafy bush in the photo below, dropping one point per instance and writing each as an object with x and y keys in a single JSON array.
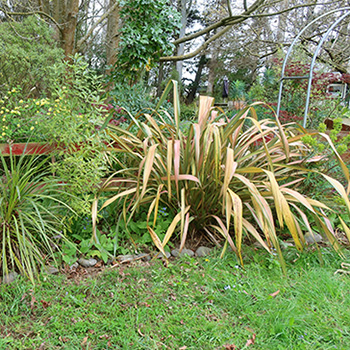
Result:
[
  {"x": 113, "y": 236},
  {"x": 223, "y": 178},
  {"x": 73, "y": 124},
  {"x": 28, "y": 53},
  {"x": 134, "y": 99},
  {"x": 315, "y": 186},
  {"x": 69, "y": 120}
]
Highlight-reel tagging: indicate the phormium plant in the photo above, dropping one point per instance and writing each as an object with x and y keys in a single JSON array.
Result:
[{"x": 224, "y": 178}]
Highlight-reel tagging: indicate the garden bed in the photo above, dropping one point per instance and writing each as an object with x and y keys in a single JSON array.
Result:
[
  {"x": 32, "y": 148},
  {"x": 36, "y": 148}
]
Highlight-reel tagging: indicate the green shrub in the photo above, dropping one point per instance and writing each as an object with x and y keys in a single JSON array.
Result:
[
  {"x": 134, "y": 99},
  {"x": 68, "y": 119},
  {"x": 28, "y": 53},
  {"x": 73, "y": 124}
]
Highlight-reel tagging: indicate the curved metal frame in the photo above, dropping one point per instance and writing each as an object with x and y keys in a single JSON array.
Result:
[{"x": 319, "y": 46}]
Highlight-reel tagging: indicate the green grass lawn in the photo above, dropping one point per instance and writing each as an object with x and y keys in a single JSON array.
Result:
[{"x": 193, "y": 304}]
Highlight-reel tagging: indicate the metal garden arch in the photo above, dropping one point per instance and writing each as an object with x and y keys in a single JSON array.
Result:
[{"x": 310, "y": 75}]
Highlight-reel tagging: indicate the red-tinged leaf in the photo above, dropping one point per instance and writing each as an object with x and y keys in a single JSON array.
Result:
[
  {"x": 275, "y": 293},
  {"x": 251, "y": 341},
  {"x": 184, "y": 235},
  {"x": 177, "y": 163},
  {"x": 181, "y": 177},
  {"x": 63, "y": 339}
]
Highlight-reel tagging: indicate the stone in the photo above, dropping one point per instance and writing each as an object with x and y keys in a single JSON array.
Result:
[
  {"x": 126, "y": 258},
  {"x": 286, "y": 245},
  {"x": 176, "y": 252},
  {"x": 143, "y": 256},
  {"x": 74, "y": 266},
  {"x": 10, "y": 277},
  {"x": 161, "y": 255},
  {"x": 312, "y": 239},
  {"x": 203, "y": 251},
  {"x": 87, "y": 262},
  {"x": 51, "y": 270}
]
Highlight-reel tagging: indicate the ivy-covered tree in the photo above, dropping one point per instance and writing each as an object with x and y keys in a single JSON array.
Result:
[{"x": 148, "y": 27}]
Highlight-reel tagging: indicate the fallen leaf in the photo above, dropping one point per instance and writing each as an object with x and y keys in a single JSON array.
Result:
[
  {"x": 230, "y": 347},
  {"x": 182, "y": 322},
  {"x": 45, "y": 304},
  {"x": 144, "y": 304},
  {"x": 91, "y": 331},
  {"x": 83, "y": 343},
  {"x": 99, "y": 263},
  {"x": 48, "y": 320},
  {"x": 42, "y": 346},
  {"x": 105, "y": 336},
  {"x": 109, "y": 343},
  {"x": 63, "y": 339},
  {"x": 274, "y": 294},
  {"x": 183, "y": 347},
  {"x": 250, "y": 341},
  {"x": 33, "y": 300}
]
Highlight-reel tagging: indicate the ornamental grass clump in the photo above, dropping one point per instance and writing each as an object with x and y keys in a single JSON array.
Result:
[
  {"x": 30, "y": 224},
  {"x": 227, "y": 179}
]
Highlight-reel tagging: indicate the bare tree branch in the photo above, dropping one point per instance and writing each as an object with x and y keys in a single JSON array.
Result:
[
  {"x": 245, "y": 5},
  {"x": 198, "y": 50},
  {"x": 219, "y": 24},
  {"x": 227, "y": 22},
  {"x": 9, "y": 14},
  {"x": 340, "y": 68},
  {"x": 94, "y": 26},
  {"x": 229, "y": 8}
]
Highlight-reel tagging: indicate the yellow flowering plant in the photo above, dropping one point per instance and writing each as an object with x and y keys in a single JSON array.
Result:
[{"x": 19, "y": 118}]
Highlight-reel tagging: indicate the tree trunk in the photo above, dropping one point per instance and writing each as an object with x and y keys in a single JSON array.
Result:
[
  {"x": 112, "y": 35},
  {"x": 69, "y": 26},
  {"x": 211, "y": 76},
  {"x": 192, "y": 94},
  {"x": 181, "y": 47},
  {"x": 160, "y": 79}
]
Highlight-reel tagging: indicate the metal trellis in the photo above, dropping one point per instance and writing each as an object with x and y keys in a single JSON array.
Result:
[{"x": 310, "y": 75}]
